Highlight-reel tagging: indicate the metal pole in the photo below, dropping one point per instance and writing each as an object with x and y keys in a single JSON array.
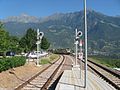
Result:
[
  {"x": 39, "y": 50},
  {"x": 37, "y": 54},
  {"x": 37, "y": 46},
  {"x": 80, "y": 58},
  {"x": 85, "y": 83},
  {"x": 76, "y": 48}
]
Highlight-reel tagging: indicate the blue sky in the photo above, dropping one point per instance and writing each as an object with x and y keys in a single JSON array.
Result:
[{"x": 43, "y": 8}]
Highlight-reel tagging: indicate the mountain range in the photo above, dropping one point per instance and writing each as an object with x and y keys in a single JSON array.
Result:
[{"x": 59, "y": 28}]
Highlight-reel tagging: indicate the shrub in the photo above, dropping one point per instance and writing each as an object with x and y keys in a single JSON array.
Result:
[{"x": 7, "y": 63}]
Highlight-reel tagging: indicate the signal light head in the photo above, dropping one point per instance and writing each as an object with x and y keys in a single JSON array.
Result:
[
  {"x": 79, "y": 33},
  {"x": 41, "y": 34}
]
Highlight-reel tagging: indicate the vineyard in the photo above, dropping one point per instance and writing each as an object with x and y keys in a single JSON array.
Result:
[{"x": 107, "y": 61}]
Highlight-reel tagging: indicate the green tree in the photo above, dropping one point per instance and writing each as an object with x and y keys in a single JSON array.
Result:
[
  {"x": 4, "y": 38},
  {"x": 1, "y": 25},
  {"x": 14, "y": 44},
  {"x": 45, "y": 44},
  {"x": 28, "y": 42}
]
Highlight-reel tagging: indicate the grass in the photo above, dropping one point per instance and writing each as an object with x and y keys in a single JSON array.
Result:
[
  {"x": 53, "y": 56},
  {"x": 49, "y": 59},
  {"x": 107, "y": 61},
  {"x": 45, "y": 61}
]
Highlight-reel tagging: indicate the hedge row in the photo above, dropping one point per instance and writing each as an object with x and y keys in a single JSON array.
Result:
[{"x": 7, "y": 63}]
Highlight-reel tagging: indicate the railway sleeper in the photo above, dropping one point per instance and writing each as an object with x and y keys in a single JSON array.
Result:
[{"x": 105, "y": 78}]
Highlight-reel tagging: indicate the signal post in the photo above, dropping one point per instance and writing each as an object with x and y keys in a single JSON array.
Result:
[{"x": 39, "y": 38}]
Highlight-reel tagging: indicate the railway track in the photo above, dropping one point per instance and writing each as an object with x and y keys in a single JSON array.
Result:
[
  {"x": 42, "y": 80},
  {"x": 67, "y": 65},
  {"x": 111, "y": 76}
]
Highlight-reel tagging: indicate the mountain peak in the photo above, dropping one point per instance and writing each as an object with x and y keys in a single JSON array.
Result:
[
  {"x": 90, "y": 10},
  {"x": 24, "y": 15},
  {"x": 23, "y": 18}
]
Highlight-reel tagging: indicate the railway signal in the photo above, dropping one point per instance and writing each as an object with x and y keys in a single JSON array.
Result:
[
  {"x": 80, "y": 55},
  {"x": 41, "y": 35},
  {"x": 39, "y": 38},
  {"x": 78, "y": 34}
]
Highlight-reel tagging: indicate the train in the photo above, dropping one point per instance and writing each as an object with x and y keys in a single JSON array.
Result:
[{"x": 61, "y": 51}]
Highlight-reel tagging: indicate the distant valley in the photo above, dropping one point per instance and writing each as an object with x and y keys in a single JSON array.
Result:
[{"x": 59, "y": 28}]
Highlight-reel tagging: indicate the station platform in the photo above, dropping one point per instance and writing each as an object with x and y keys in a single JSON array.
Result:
[{"x": 74, "y": 80}]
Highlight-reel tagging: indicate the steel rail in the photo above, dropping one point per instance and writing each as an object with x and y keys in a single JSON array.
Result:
[{"x": 33, "y": 77}]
